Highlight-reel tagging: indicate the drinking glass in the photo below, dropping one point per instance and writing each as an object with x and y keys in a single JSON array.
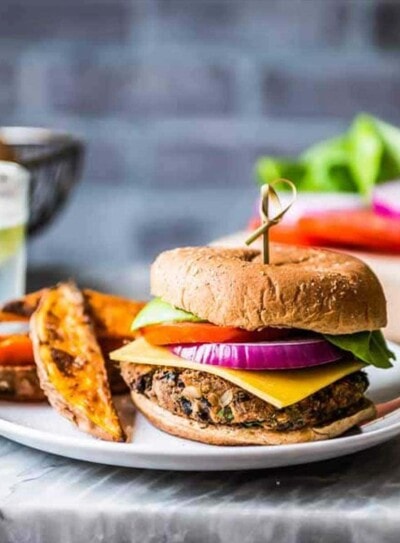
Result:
[{"x": 14, "y": 189}]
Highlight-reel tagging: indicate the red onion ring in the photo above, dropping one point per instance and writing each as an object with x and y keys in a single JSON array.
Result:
[
  {"x": 268, "y": 355},
  {"x": 386, "y": 200}
]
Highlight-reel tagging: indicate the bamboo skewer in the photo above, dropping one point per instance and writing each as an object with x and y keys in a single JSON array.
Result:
[{"x": 270, "y": 196}]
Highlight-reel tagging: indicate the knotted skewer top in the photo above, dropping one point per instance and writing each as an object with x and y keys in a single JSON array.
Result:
[{"x": 270, "y": 198}]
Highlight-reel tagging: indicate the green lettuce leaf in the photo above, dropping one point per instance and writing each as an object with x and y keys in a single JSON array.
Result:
[
  {"x": 366, "y": 154},
  {"x": 157, "y": 312},
  {"x": 370, "y": 347},
  {"x": 268, "y": 169},
  {"x": 327, "y": 167},
  {"x": 390, "y": 136},
  {"x": 365, "y": 150}
]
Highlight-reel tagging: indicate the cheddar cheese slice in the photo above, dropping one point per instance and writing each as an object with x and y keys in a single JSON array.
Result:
[{"x": 279, "y": 388}]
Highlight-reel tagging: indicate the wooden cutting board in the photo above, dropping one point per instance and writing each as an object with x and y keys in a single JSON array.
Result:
[{"x": 387, "y": 268}]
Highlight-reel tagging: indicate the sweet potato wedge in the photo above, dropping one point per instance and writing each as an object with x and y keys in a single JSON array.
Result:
[
  {"x": 70, "y": 365},
  {"x": 111, "y": 315},
  {"x": 23, "y": 307},
  {"x": 20, "y": 382},
  {"x": 11, "y": 317}
]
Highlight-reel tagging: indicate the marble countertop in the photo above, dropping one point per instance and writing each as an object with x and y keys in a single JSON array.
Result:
[{"x": 49, "y": 499}]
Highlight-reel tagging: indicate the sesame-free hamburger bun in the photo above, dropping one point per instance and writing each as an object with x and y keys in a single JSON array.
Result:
[{"x": 306, "y": 288}]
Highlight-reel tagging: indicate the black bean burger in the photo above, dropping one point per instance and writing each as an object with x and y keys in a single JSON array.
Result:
[{"x": 232, "y": 351}]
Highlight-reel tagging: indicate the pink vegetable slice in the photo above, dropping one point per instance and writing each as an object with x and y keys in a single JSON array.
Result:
[
  {"x": 386, "y": 199},
  {"x": 271, "y": 355}
]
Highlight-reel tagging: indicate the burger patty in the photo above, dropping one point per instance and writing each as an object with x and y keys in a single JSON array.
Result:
[{"x": 212, "y": 400}]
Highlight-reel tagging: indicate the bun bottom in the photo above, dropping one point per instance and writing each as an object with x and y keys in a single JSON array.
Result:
[{"x": 223, "y": 434}]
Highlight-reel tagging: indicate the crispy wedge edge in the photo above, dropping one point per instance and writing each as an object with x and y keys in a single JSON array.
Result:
[{"x": 43, "y": 358}]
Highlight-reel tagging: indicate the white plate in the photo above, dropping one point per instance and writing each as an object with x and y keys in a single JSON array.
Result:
[{"x": 40, "y": 427}]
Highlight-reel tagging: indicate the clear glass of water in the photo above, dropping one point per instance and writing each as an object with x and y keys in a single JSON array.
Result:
[{"x": 14, "y": 189}]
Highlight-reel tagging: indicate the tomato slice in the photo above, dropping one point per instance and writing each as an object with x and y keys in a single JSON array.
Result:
[
  {"x": 16, "y": 350},
  {"x": 283, "y": 233},
  {"x": 359, "y": 228},
  {"x": 192, "y": 332},
  {"x": 289, "y": 233},
  {"x": 354, "y": 229}
]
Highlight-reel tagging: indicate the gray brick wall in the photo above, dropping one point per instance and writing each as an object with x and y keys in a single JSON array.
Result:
[
  {"x": 177, "y": 98},
  {"x": 8, "y": 76},
  {"x": 328, "y": 88},
  {"x": 136, "y": 89},
  {"x": 99, "y": 21}
]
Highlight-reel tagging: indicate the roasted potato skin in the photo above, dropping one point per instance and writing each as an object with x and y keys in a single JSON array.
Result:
[{"x": 70, "y": 365}]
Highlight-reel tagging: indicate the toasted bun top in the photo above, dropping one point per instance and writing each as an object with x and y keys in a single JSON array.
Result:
[{"x": 312, "y": 289}]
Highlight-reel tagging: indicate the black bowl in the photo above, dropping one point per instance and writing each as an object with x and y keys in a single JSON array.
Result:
[{"x": 54, "y": 160}]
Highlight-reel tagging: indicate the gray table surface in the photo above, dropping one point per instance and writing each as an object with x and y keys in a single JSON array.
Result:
[{"x": 49, "y": 499}]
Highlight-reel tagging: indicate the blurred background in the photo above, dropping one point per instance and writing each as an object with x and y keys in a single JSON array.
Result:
[{"x": 177, "y": 98}]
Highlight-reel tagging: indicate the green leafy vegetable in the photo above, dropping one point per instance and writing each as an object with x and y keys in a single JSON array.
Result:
[
  {"x": 157, "y": 311},
  {"x": 254, "y": 424},
  {"x": 271, "y": 168},
  {"x": 365, "y": 149},
  {"x": 226, "y": 413},
  {"x": 370, "y": 347},
  {"x": 368, "y": 153},
  {"x": 327, "y": 167},
  {"x": 390, "y": 136}
]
